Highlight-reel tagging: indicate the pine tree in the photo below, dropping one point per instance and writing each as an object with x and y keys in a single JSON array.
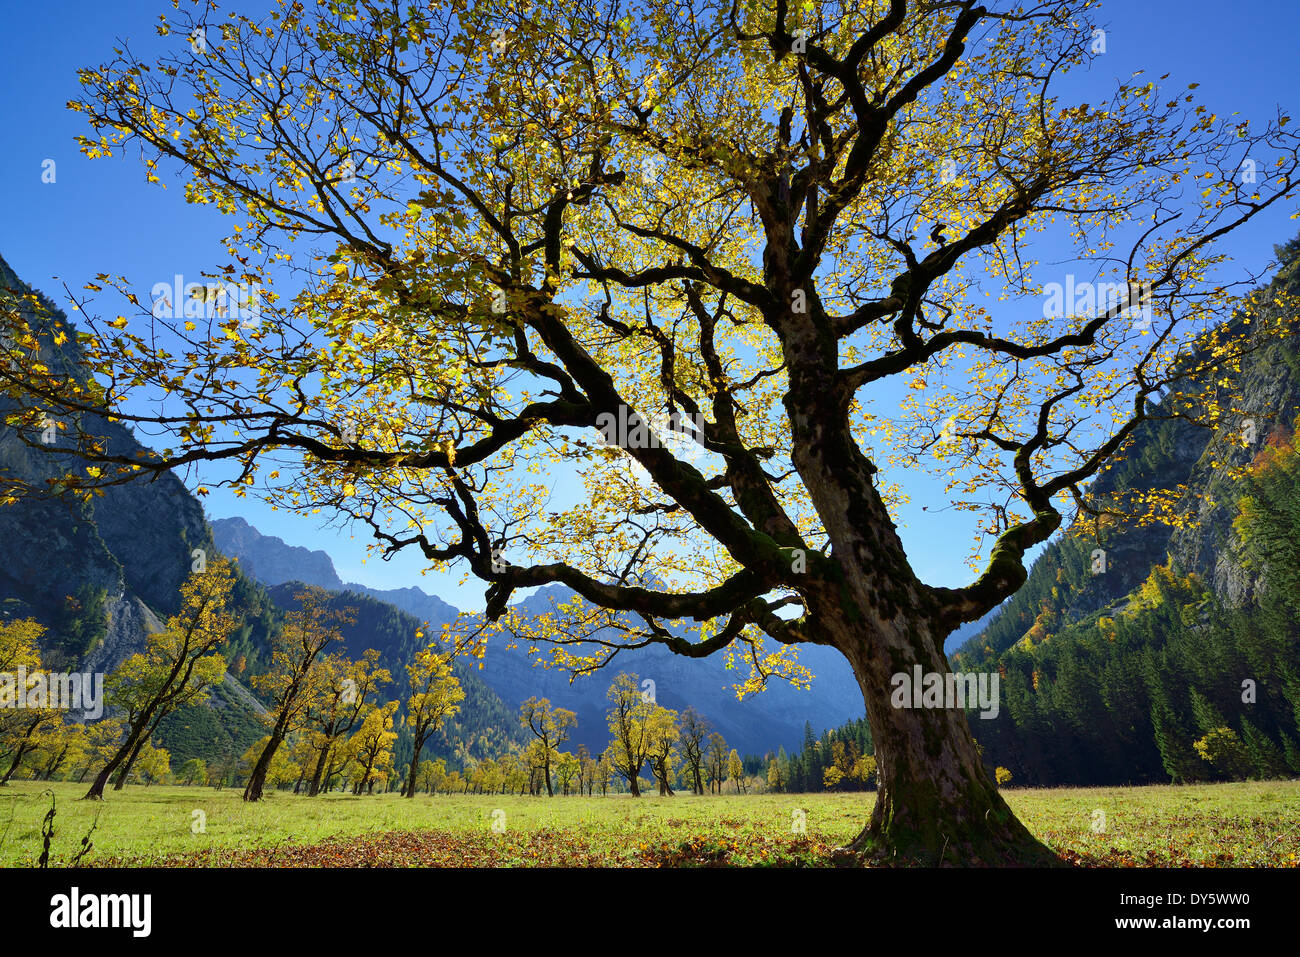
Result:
[{"x": 1264, "y": 755}]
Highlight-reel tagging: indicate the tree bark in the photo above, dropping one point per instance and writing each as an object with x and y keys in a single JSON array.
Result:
[
  {"x": 935, "y": 802},
  {"x": 96, "y": 792},
  {"x": 314, "y": 788},
  {"x": 130, "y": 761},
  {"x": 409, "y": 790},
  {"x": 257, "y": 780}
]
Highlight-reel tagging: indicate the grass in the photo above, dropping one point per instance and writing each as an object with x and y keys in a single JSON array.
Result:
[{"x": 1243, "y": 824}]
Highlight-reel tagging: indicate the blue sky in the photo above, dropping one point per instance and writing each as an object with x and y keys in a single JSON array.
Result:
[{"x": 101, "y": 216}]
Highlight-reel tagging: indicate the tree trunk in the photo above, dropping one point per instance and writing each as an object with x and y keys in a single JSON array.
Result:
[
  {"x": 130, "y": 762},
  {"x": 409, "y": 790},
  {"x": 314, "y": 788},
  {"x": 257, "y": 780},
  {"x": 935, "y": 802},
  {"x": 18, "y": 759},
  {"x": 96, "y": 792}
]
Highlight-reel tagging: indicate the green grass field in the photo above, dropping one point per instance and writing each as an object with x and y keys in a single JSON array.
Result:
[{"x": 1247, "y": 824}]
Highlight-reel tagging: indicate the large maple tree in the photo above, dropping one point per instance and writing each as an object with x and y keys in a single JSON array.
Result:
[{"x": 498, "y": 245}]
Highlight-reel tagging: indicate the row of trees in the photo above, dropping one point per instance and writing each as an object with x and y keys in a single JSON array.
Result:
[
  {"x": 324, "y": 714},
  {"x": 677, "y": 749},
  {"x": 841, "y": 760}
]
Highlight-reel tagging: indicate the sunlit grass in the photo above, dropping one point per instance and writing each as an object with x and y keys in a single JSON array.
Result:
[{"x": 1246, "y": 824}]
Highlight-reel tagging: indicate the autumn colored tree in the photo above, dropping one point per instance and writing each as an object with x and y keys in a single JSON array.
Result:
[
  {"x": 295, "y": 681},
  {"x": 281, "y": 770},
  {"x": 661, "y": 748},
  {"x": 176, "y": 669},
  {"x": 775, "y": 778},
  {"x": 632, "y": 726},
  {"x": 153, "y": 764},
  {"x": 435, "y": 696},
  {"x": 344, "y": 689},
  {"x": 101, "y": 743},
  {"x": 64, "y": 747},
  {"x": 586, "y": 770},
  {"x": 690, "y": 255},
  {"x": 372, "y": 748},
  {"x": 604, "y": 771},
  {"x": 23, "y": 730},
  {"x": 736, "y": 770},
  {"x": 567, "y": 768},
  {"x": 195, "y": 769},
  {"x": 551, "y": 727}
]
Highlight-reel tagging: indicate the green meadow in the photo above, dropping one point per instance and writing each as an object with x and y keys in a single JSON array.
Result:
[{"x": 1255, "y": 824}]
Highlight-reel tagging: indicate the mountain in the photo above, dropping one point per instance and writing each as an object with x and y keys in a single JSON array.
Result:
[
  {"x": 758, "y": 724},
  {"x": 272, "y": 561},
  {"x": 103, "y": 575},
  {"x": 1125, "y": 655},
  {"x": 269, "y": 559}
]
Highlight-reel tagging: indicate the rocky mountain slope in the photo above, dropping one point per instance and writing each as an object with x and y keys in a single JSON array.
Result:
[
  {"x": 100, "y": 575},
  {"x": 1170, "y": 454},
  {"x": 1141, "y": 652}
]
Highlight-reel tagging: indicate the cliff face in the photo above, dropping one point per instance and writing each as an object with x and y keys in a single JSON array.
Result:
[
  {"x": 270, "y": 560},
  {"x": 100, "y": 575}
]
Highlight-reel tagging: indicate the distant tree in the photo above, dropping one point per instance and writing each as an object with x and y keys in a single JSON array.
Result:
[
  {"x": 1003, "y": 776},
  {"x": 630, "y": 722},
  {"x": 717, "y": 762},
  {"x": 293, "y": 681},
  {"x": 433, "y": 775},
  {"x": 661, "y": 747},
  {"x": 567, "y": 767},
  {"x": 152, "y": 764},
  {"x": 694, "y": 731},
  {"x": 63, "y": 746},
  {"x": 435, "y": 696},
  {"x": 604, "y": 771},
  {"x": 865, "y": 768},
  {"x": 736, "y": 771},
  {"x": 195, "y": 769},
  {"x": 586, "y": 770},
  {"x": 372, "y": 748},
  {"x": 1223, "y": 749},
  {"x": 551, "y": 727},
  {"x": 102, "y": 739},
  {"x": 22, "y": 730},
  {"x": 775, "y": 775},
  {"x": 176, "y": 668}
]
